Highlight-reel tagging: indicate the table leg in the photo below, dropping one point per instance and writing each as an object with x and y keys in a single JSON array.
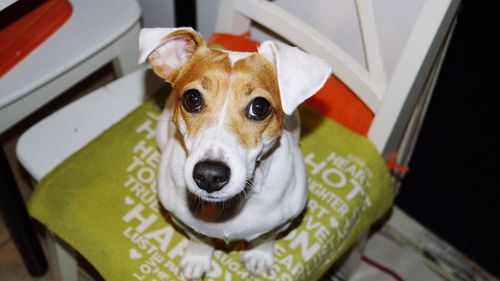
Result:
[
  {"x": 18, "y": 221},
  {"x": 185, "y": 13}
]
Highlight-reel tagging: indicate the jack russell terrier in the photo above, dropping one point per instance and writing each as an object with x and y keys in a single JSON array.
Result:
[{"x": 231, "y": 166}]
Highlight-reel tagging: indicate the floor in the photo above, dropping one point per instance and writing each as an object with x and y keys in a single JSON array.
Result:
[{"x": 11, "y": 266}]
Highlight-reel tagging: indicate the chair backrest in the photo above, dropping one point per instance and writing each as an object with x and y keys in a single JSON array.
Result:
[{"x": 392, "y": 70}]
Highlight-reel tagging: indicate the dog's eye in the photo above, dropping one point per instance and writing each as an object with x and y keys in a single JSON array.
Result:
[
  {"x": 192, "y": 101},
  {"x": 258, "y": 109}
]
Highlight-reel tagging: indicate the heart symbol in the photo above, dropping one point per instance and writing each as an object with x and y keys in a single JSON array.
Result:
[
  {"x": 334, "y": 222},
  {"x": 129, "y": 201},
  {"x": 134, "y": 254}
]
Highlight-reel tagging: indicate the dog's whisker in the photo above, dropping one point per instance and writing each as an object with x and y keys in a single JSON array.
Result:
[
  {"x": 248, "y": 186},
  {"x": 197, "y": 208},
  {"x": 221, "y": 209},
  {"x": 242, "y": 195}
]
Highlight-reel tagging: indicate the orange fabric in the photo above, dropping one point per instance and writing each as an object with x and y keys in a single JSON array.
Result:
[
  {"x": 393, "y": 165},
  {"x": 25, "y": 25},
  {"x": 335, "y": 100},
  {"x": 238, "y": 43}
]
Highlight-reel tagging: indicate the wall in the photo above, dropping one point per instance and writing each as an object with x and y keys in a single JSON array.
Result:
[{"x": 158, "y": 13}]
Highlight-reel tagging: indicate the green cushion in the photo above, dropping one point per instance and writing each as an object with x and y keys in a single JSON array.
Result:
[{"x": 102, "y": 201}]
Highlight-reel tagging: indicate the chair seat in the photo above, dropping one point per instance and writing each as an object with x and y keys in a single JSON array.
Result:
[
  {"x": 93, "y": 179},
  {"x": 88, "y": 31},
  {"x": 110, "y": 213},
  {"x": 39, "y": 152}
]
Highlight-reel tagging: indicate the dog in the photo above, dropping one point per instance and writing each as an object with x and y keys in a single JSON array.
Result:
[{"x": 231, "y": 167}]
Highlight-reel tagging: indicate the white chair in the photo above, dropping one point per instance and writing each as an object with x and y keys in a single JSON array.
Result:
[{"x": 398, "y": 100}]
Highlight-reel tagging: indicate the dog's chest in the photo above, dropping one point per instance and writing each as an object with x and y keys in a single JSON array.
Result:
[{"x": 248, "y": 224}]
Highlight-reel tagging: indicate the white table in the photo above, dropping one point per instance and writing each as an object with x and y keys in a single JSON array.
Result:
[
  {"x": 97, "y": 32},
  {"x": 6, "y": 3},
  {"x": 84, "y": 43}
]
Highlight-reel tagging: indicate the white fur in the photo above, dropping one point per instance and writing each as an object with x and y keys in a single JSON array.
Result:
[
  {"x": 236, "y": 56},
  {"x": 279, "y": 191},
  {"x": 300, "y": 75},
  {"x": 279, "y": 185},
  {"x": 152, "y": 38}
]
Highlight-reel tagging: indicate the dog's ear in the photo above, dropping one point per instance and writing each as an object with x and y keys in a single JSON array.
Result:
[
  {"x": 300, "y": 75},
  {"x": 168, "y": 48}
]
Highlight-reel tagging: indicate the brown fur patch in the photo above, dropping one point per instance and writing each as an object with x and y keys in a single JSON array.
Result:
[
  {"x": 211, "y": 73},
  {"x": 193, "y": 41},
  {"x": 254, "y": 77},
  {"x": 207, "y": 71}
]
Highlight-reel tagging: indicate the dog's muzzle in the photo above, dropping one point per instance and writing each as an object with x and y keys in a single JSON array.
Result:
[{"x": 211, "y": 176}]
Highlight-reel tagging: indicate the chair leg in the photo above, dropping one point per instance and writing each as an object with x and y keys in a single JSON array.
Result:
[
  {"x": 63, "y": 257},
  {"x": 347, "y": 265},
  {"x": 185, "y": 13},
  {"x": 127, "y": 52},
  {"x": 19, "y": 222}
]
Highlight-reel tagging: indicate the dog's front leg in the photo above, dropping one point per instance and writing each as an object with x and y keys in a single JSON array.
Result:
[
  {"x": 258, "y": 259},
  {"x": 197, "y": 259}
]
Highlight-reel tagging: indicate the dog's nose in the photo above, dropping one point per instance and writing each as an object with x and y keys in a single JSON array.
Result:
[{"x": 211, "y": 175}]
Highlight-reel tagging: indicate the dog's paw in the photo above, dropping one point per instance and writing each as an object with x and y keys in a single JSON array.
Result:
[
  {"x": 257, "y": 261},
  {"x": 194, "y": 266}
]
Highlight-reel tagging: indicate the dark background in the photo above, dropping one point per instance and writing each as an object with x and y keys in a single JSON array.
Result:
[{"x": 452, "y": 187}]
